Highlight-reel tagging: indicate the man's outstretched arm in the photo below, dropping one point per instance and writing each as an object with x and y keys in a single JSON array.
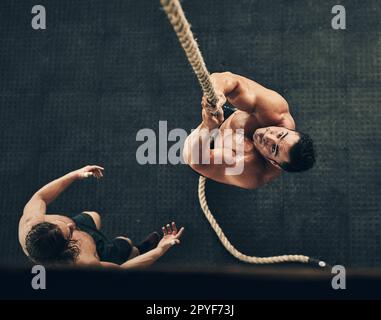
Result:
[{"x": 249, "y": 96}]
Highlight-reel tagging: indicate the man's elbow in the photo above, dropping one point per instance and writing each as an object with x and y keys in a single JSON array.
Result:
[
  {"x": 38, "y": 196},
  {"x": 252, "y": 184},
  {"x": 199, "y": 168}
]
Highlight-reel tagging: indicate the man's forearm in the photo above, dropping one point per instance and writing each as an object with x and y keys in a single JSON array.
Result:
[
  {"x": 52, "y": 190},
  {"x": 239, "y": 91},
  {"x": 225, "y": 82},
  {"x": 144, "y": 260}
]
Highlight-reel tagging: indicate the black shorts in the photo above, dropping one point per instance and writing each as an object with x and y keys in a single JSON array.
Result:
[
  {"x": 115, "y": 251},
  {"x": 228, "y": 111}
]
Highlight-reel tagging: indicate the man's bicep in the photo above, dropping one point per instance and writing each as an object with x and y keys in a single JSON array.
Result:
[
  {"x": 35, "y": 208},
  {"x": 271, "y": 107},
  {"x": 244, "y": 95}
]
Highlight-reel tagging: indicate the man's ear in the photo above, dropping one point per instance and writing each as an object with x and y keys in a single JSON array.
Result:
[{"x": 275, "y": 164}]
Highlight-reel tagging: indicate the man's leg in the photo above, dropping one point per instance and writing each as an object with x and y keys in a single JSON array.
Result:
[
  {"x": 146, "y": 245},
  {"x": 134, "y": 252}
]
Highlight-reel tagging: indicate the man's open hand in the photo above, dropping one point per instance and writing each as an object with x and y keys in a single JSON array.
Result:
[
  {"x": 171, "y": 236},
  {"x": 90, "y": 171}
]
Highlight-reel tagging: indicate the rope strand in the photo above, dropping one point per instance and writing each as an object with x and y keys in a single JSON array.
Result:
[
  {"x": 181, "y": 26},
  {"x": 226, "y": 243}
]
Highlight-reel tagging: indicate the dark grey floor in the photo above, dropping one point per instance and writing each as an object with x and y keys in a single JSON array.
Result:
[{"x": 78, "y": 92}]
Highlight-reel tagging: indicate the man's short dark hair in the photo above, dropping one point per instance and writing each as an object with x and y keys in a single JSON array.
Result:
[
  {"x": 302, "y": 155},
  {"x": 46, "y": 244}
]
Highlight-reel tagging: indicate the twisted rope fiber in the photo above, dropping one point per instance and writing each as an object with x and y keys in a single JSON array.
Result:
[
  {"x": 183, "y": 31},
  {"x": 181, "y": 26},
  {"x": 227, "y": 244}
]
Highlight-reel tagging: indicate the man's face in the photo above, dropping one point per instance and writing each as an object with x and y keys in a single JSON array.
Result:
[{"x": 275, "y": 143}]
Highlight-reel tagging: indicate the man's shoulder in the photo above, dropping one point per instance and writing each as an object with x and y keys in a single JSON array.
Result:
[{"x": 288, "y": 121}]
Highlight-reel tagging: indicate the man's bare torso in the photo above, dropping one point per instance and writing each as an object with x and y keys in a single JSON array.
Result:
[{"x": 254, "y": 163}]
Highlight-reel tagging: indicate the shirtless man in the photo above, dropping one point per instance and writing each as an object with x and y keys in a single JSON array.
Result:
[
  {"x": 270, "y": 143},
  {"x": 57, "y": 240}
]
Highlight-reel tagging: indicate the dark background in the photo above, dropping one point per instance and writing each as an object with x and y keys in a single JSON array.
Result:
[{"x": 78, "y": 92}]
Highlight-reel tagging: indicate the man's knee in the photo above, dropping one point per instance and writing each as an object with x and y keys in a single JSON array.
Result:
[
  {"x": 134, "y": 251},
  {"x": 96, "y": 217},
  {"x": 127, "y": 239}
]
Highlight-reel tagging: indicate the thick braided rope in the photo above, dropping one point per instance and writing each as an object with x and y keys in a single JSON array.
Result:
[
  {"x": 183, "y": 31},
  {"x": 182, "y": 28},
  {"x": 229, "y": 247}
]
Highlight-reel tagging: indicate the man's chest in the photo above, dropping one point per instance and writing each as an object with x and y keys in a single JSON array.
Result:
[{"x": 242, "y": 121}]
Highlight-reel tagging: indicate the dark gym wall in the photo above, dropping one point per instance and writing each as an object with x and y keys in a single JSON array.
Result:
[{"x": 78, "y": 92}]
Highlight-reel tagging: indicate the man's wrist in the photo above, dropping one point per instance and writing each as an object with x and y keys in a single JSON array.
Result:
[{"x": 74, "y": 175}]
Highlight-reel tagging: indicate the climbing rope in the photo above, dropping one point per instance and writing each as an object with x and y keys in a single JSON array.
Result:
[{"x": 183, "y": 31}]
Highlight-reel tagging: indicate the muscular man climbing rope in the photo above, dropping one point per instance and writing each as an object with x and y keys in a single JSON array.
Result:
[{"x": 268, "y": 138}]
